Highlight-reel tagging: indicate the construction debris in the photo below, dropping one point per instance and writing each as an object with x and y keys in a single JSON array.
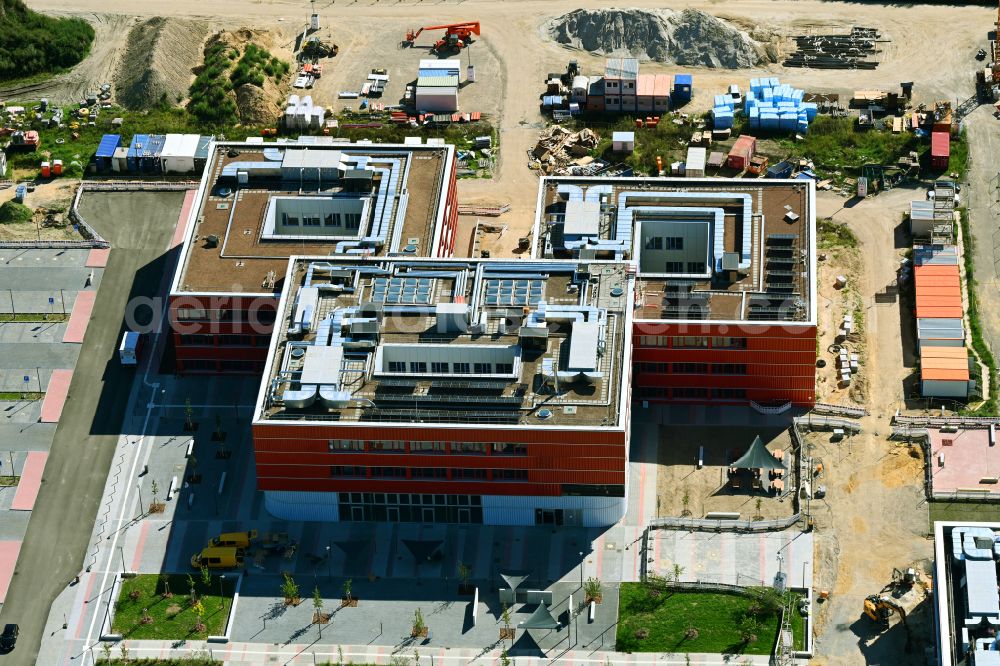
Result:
[
  {"x": 558, "y": 148},
  {"x": 851, "y": 51}
]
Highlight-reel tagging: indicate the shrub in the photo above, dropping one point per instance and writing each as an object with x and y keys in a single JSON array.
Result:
[{"x": 12, "y": 212}]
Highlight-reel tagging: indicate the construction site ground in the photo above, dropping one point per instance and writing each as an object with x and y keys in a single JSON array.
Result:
[
  {"x": 874, "y": 517},
  {"x": 708, "y": 489},
  {"x": 53, "y": 195}
]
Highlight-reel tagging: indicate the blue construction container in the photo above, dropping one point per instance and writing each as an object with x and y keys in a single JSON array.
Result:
[
  {"x": 683, "y": 88},
  {"x": 781, "y": 170},
  {"x": 106, "y": 150},
  {"x": 149, "y": 161},
  {"x": 135, "y": 150}
]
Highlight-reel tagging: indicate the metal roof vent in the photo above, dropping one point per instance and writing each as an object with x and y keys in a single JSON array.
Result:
[
  {"x": 569, "y": 410},
  {"x": 544, "y": 413}
]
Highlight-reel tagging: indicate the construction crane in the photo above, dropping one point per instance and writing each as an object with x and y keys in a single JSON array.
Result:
[{"x": 456, "y": 36}]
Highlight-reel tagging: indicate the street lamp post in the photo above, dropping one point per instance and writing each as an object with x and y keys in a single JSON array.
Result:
[
  {"x": 222, "y": 595},
  {"x": 329, "y": 566},
  {"x": 804, "y": 573},
  {"x": 138, "y": 487},
  {"x": 121, "y": 551},
  {"x": 581, "y": 569}
]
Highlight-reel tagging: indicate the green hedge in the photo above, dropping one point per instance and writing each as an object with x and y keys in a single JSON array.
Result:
[{"x": 31, "y": 43}]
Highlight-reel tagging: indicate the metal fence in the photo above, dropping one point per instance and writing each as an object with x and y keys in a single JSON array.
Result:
[
  {"x": 840, "y": 410},
  {"x": 706, "y": 525}
]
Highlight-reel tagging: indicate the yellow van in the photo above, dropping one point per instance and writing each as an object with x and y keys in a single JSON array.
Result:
[
  {"x": 226, "y": 557},
  {"x": 233, "y": 539}
]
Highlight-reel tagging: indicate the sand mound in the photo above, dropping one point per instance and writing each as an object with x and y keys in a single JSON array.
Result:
[
  {"x": 688, "y": 37},
  {"x": 158, "y": 59},
  {"x": 258, "y": 106}
]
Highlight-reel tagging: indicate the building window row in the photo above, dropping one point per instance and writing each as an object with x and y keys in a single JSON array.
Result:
[
  {"x": 692, "y": 342},
  {"x": 665, "y": 243},
  {"x": 689, "y": 393},
  {"x": 455, "y": 448},
  {"x": 427, "y": 473},
  {"x": 443, "y": 368},
  {"x": 223, "y": 340},
  {"x": 262, "y": 315},
  {"x": 694, "y": 368}
]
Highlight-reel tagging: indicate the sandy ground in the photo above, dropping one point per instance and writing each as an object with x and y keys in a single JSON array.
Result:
[
  {"x": 707, "y": 488},
  {"x": 369, "y": 33},
  {"x": 57, "y": 194}
]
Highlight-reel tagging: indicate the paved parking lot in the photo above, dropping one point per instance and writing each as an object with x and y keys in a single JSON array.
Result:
[{"x": 32, "y": 350}]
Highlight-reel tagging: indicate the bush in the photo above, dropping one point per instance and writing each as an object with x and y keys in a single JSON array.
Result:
[{"x": 12, "y": 212}]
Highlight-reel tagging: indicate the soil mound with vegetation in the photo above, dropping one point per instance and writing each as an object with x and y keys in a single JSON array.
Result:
[{"x": 32, "y": 43}]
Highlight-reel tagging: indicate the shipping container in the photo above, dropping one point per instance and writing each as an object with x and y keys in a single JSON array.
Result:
[
  {"x": 743, "y": 150},
  {"x": 682, "y": 91},
  {"x": 940, "y": 150},
  {"x": 106, "y": 151}
]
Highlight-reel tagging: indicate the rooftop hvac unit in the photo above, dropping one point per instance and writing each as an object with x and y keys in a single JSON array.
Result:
[{"x": 211, "y": 241}]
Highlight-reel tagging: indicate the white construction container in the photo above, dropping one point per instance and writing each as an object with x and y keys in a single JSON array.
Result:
[
  {"x": 437, "y": 99},
  {"x": 130, "y": 348},
  {"x": 694, "y": 165}
]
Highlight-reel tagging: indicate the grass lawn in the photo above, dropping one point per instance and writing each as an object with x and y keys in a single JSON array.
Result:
[
  {"x": 174, "y": 618},
  {"x": 29, "y": 317},
  {"x": 191, "y": 661},
  {"x": 716, "y": 617},
  {"x": 17, "y": 396},
  {"x": 9, "y": 481}
]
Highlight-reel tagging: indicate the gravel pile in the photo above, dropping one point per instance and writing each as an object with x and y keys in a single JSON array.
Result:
[
  {"x": 687, "y": 37},
  {"x": 158, "y": 62}
]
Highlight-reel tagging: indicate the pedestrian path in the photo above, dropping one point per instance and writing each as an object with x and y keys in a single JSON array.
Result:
[
  {"x": 55, "y": 395},
  {"x": 30, "y": 481},
  {"x": 98, "y": 258},
  {"x": 80, "y": 317},
  {"x": 8, "y": 558}
]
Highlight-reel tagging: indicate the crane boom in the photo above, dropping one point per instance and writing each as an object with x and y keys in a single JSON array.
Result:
[{"x": 456, "y": 36}]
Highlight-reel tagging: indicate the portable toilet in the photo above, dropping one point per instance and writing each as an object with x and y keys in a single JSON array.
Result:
[
  {"x": 57, "y": 167},
  {"x": 682, "y": 89},
  {"x": 46, "y": 170}
]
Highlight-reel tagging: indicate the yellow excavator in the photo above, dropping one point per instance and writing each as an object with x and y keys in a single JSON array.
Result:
[{"x": 880, "y": 608}]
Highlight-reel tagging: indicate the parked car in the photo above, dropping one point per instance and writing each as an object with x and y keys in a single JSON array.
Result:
[{"x": 9, "y": 637}]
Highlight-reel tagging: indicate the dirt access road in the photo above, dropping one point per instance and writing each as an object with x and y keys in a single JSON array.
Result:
[
  {"x": 512, "y": 32},
  {"x": 874, "y": 517}
]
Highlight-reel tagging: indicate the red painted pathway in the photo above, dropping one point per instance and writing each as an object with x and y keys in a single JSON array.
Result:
[
  {"x": 182, "y": 221},
  {"x": 31, "y": 481},
  {"x": 55, "y": 395},
  {"x": 8, "y": 558},
  {"x": 80, "y": 317},
  {"x": 98, "y": 258}
]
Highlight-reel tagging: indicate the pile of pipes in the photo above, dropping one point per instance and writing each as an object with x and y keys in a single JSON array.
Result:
[{"x": 852, "y": 51}]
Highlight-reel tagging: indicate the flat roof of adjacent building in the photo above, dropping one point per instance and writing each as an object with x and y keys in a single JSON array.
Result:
[
  {"x": 225, "y": 249},
  {"x": 965, "y": 577},
  {"x": 971, "y": 462},
  {"x": 450, "y": 342},
  {"x": 740, "y": 250}
]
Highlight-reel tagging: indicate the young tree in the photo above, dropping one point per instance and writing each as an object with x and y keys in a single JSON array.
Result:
[
  {"x": 106, "y": 651},
  {"x": 418, "y": 623},
  {"x": 123, "y": 648},
  {"x": 678, "y": 571},
  {"x": 504, "y": 659},
  {"x": 193, "y": 461},
  {"x": 505, "y": 616},
  {"x": 206, "y": 576},
  {"x": 685, "y": 501},
  {"x": 289, "y": 588},
  {"x": 190, "y": 582},
  {"x": 156, "y": 491},
  {"x": 318, "y": 607},
  {"x": 758, "y": 504},
  {"x": 348, "y": 584},
  {"x": 463, "y": 574},
  {"x": 188, "y": 415},
  {"x": 592, "y": 589},
  {"x": 749, "y": 629},
  {"x": 199, "y": 610},
  {"x": 691, "y": 633}
]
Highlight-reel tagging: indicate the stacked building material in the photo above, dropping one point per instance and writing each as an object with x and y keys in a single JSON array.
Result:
[
  {"x": 851, "y": 51},
  {"x": 776, "y": 107},
  {"x": 302, "y": 113}
]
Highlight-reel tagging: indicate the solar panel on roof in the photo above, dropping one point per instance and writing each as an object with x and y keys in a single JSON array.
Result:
[
  {"x": 402, "y": 290},
  {"x": 510, "y": 292}
]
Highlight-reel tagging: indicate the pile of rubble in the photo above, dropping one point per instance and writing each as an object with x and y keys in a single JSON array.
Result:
[{"x": 559, "y": 151}]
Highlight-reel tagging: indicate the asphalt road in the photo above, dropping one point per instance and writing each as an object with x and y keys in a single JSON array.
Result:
[{"x": 62, "y": 521}]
